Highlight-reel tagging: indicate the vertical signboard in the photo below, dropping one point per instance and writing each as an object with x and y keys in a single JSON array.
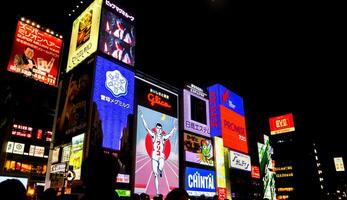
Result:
[
  {"x": 227, "y": 118},
  {"x": 117, "y": 33},
  {"x": 267, "y": 169},
  {"x": 85, "y": 34},
  {"x": 76, "y": 156},
  {"x": 282, "y": 124},
  {"x": 196, "y": 112},
  {"x": 35, "y": 53},
  {"x": 198, "y": 150},
  {"x": 114, "y": 100},
  {"x": 220, "y": 165},
  {"x": 74, "y": 103},
  {"x": 255, "y": 173},
  {"x": 157, "y": 166},
  {"x": 200, "y": 182}
]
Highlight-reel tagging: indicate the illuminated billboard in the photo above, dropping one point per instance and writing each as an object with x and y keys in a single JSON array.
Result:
[
  {"x": 85, "y": 34},
  {"x": 339, "y": 166},
  {"x": 267, "y": 169},
  {"x": 196, "y": 112},
  {"x": 255, "y": 173},
  {"x": 220, "y": 164},
  {"x": 117, "y": 33},
  {"x": 240, "y": 161},
  {"x": 76, "y": 156},
  {"x": 200, "y": 182},
  {"x": 73, "y": 110},
  {"x": 198, "y": 150},
  {"x": 114, "y": 99},
  {"x": 157, "y": 158},
  {"x": 282, "y": 124},
  {"x": 36, "y": 54},
  {"x": 227, "y": 118}
]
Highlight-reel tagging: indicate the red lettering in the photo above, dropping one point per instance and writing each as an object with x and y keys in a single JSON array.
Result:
[
  {"x": 213, "y": 109},
  {"x": 156, "y": 100}
]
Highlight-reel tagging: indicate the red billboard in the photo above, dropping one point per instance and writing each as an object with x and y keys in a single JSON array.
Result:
[
  {"x": 282, "y": 124},
  {"x": 35, "y": 53},
  {"x": 255, "y": 172},
  {"x": 233, "y": 130}
]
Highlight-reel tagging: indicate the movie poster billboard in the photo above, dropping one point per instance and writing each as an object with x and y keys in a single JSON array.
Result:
[
  {"x": 74, "y": 103},
  {"x": 114, "y": 99},
  {"x": 76, "y": 156},
  {"x": 200, "y": 182},
  {"x": 267, "y": 169},
  {"x": 36, "y": 54},
  {"x": 117, "y": 33},
  {"x": 198, "y": 150},
  {"x": 196, "y": 112},
  {"x": 157, "y": 156},
  {"x": 85, "y": 34}
]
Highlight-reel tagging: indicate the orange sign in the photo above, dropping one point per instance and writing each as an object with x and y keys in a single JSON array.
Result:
[
  {"x": 155, "y": 99},
  {"x": 233, "y": 130}
]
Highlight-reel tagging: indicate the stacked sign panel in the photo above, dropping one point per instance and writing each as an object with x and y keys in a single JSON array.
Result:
[
  {"x": 157, "y": 166},
  {"x": 227, "y": 118}
]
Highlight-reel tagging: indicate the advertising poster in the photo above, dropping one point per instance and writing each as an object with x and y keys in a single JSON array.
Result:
[
  {"x": 157, "y": 157},
  {"x": 114, "y": 99},
  {"x": 198, "y": 150},
  {"x": 220, "y": 164},
  {"x": 65, "y": 157},
  {"x": 36, "y": 54},
  {"x": 255, "y": 173},
  {"x": 76, "y": 156},
  {"x": 117, "y": 34},
  {"x": 85, "y": 34},
  {"x": 74, "y": 103},
  {"x": 267, "y": 169},
  {"x": 282, "y": 124},
  {"x": 200, "y": 182},
  {"x": 240, "y": 161},
  {"x": 10, "y": 146},
  {"x": 39, "y": 151},
  {"x": 55, "y": 155},
  {"x": 196, "y": 113}
]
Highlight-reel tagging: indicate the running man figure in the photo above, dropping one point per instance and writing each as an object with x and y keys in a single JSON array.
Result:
[{"x": 158, "y": 140}]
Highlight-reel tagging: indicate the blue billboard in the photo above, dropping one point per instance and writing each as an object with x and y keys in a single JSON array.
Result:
[
  {"x": 200, "y": 182},
  {"x": 221, "y": 96},
  {"x": 114, "y": 98}
]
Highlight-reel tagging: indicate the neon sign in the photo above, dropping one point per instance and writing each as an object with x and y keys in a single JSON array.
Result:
[{"x": 157, "y": 100}]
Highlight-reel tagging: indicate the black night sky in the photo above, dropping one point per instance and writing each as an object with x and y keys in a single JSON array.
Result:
[{"x": 281, "y": 56}]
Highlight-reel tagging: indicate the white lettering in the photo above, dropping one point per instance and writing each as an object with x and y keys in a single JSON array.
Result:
[
  {"x": 198, "y": 181},
  {"x": 119, "y": 10}
]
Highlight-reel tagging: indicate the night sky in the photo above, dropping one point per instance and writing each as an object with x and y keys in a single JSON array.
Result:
[{"x": 281, "y": 56}]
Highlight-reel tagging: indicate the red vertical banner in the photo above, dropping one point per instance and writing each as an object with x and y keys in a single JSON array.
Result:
[{"x": 222, "y": 193}]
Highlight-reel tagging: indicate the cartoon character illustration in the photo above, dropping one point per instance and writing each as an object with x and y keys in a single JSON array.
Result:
[{"x": 206, "y": 155}]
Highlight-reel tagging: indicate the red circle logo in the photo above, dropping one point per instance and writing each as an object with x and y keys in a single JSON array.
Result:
[{"x": 149, "y": 145}]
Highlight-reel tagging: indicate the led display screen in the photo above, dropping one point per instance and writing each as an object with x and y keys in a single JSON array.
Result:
[
  {"x": 240, "y": 161},
  {"x": 196, "y": 114},
  {"x": 156, "y": 168},
  {"x": 73, "y": 110},
  {"x": 267, "y": 169},
  {"x": 85, "y": 34},
  {"x": 114, "y": 99},
  {"x": 36, "y": 54},
  {"x": 282, "y": 124},
  {"x": 200, "y": 182},
  {"x": 198, "y": 150},
  {"x": 117, "y": 37},
  {"x": 23, "y": 180},
  {"x": 76, "y": 156}
]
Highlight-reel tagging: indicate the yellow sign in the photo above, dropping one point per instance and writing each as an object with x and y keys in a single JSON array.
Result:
[
  {"x": 220, "y": 165},
  {"x": 85, "y": 34},
  {"x": 76, "y": 157}
]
